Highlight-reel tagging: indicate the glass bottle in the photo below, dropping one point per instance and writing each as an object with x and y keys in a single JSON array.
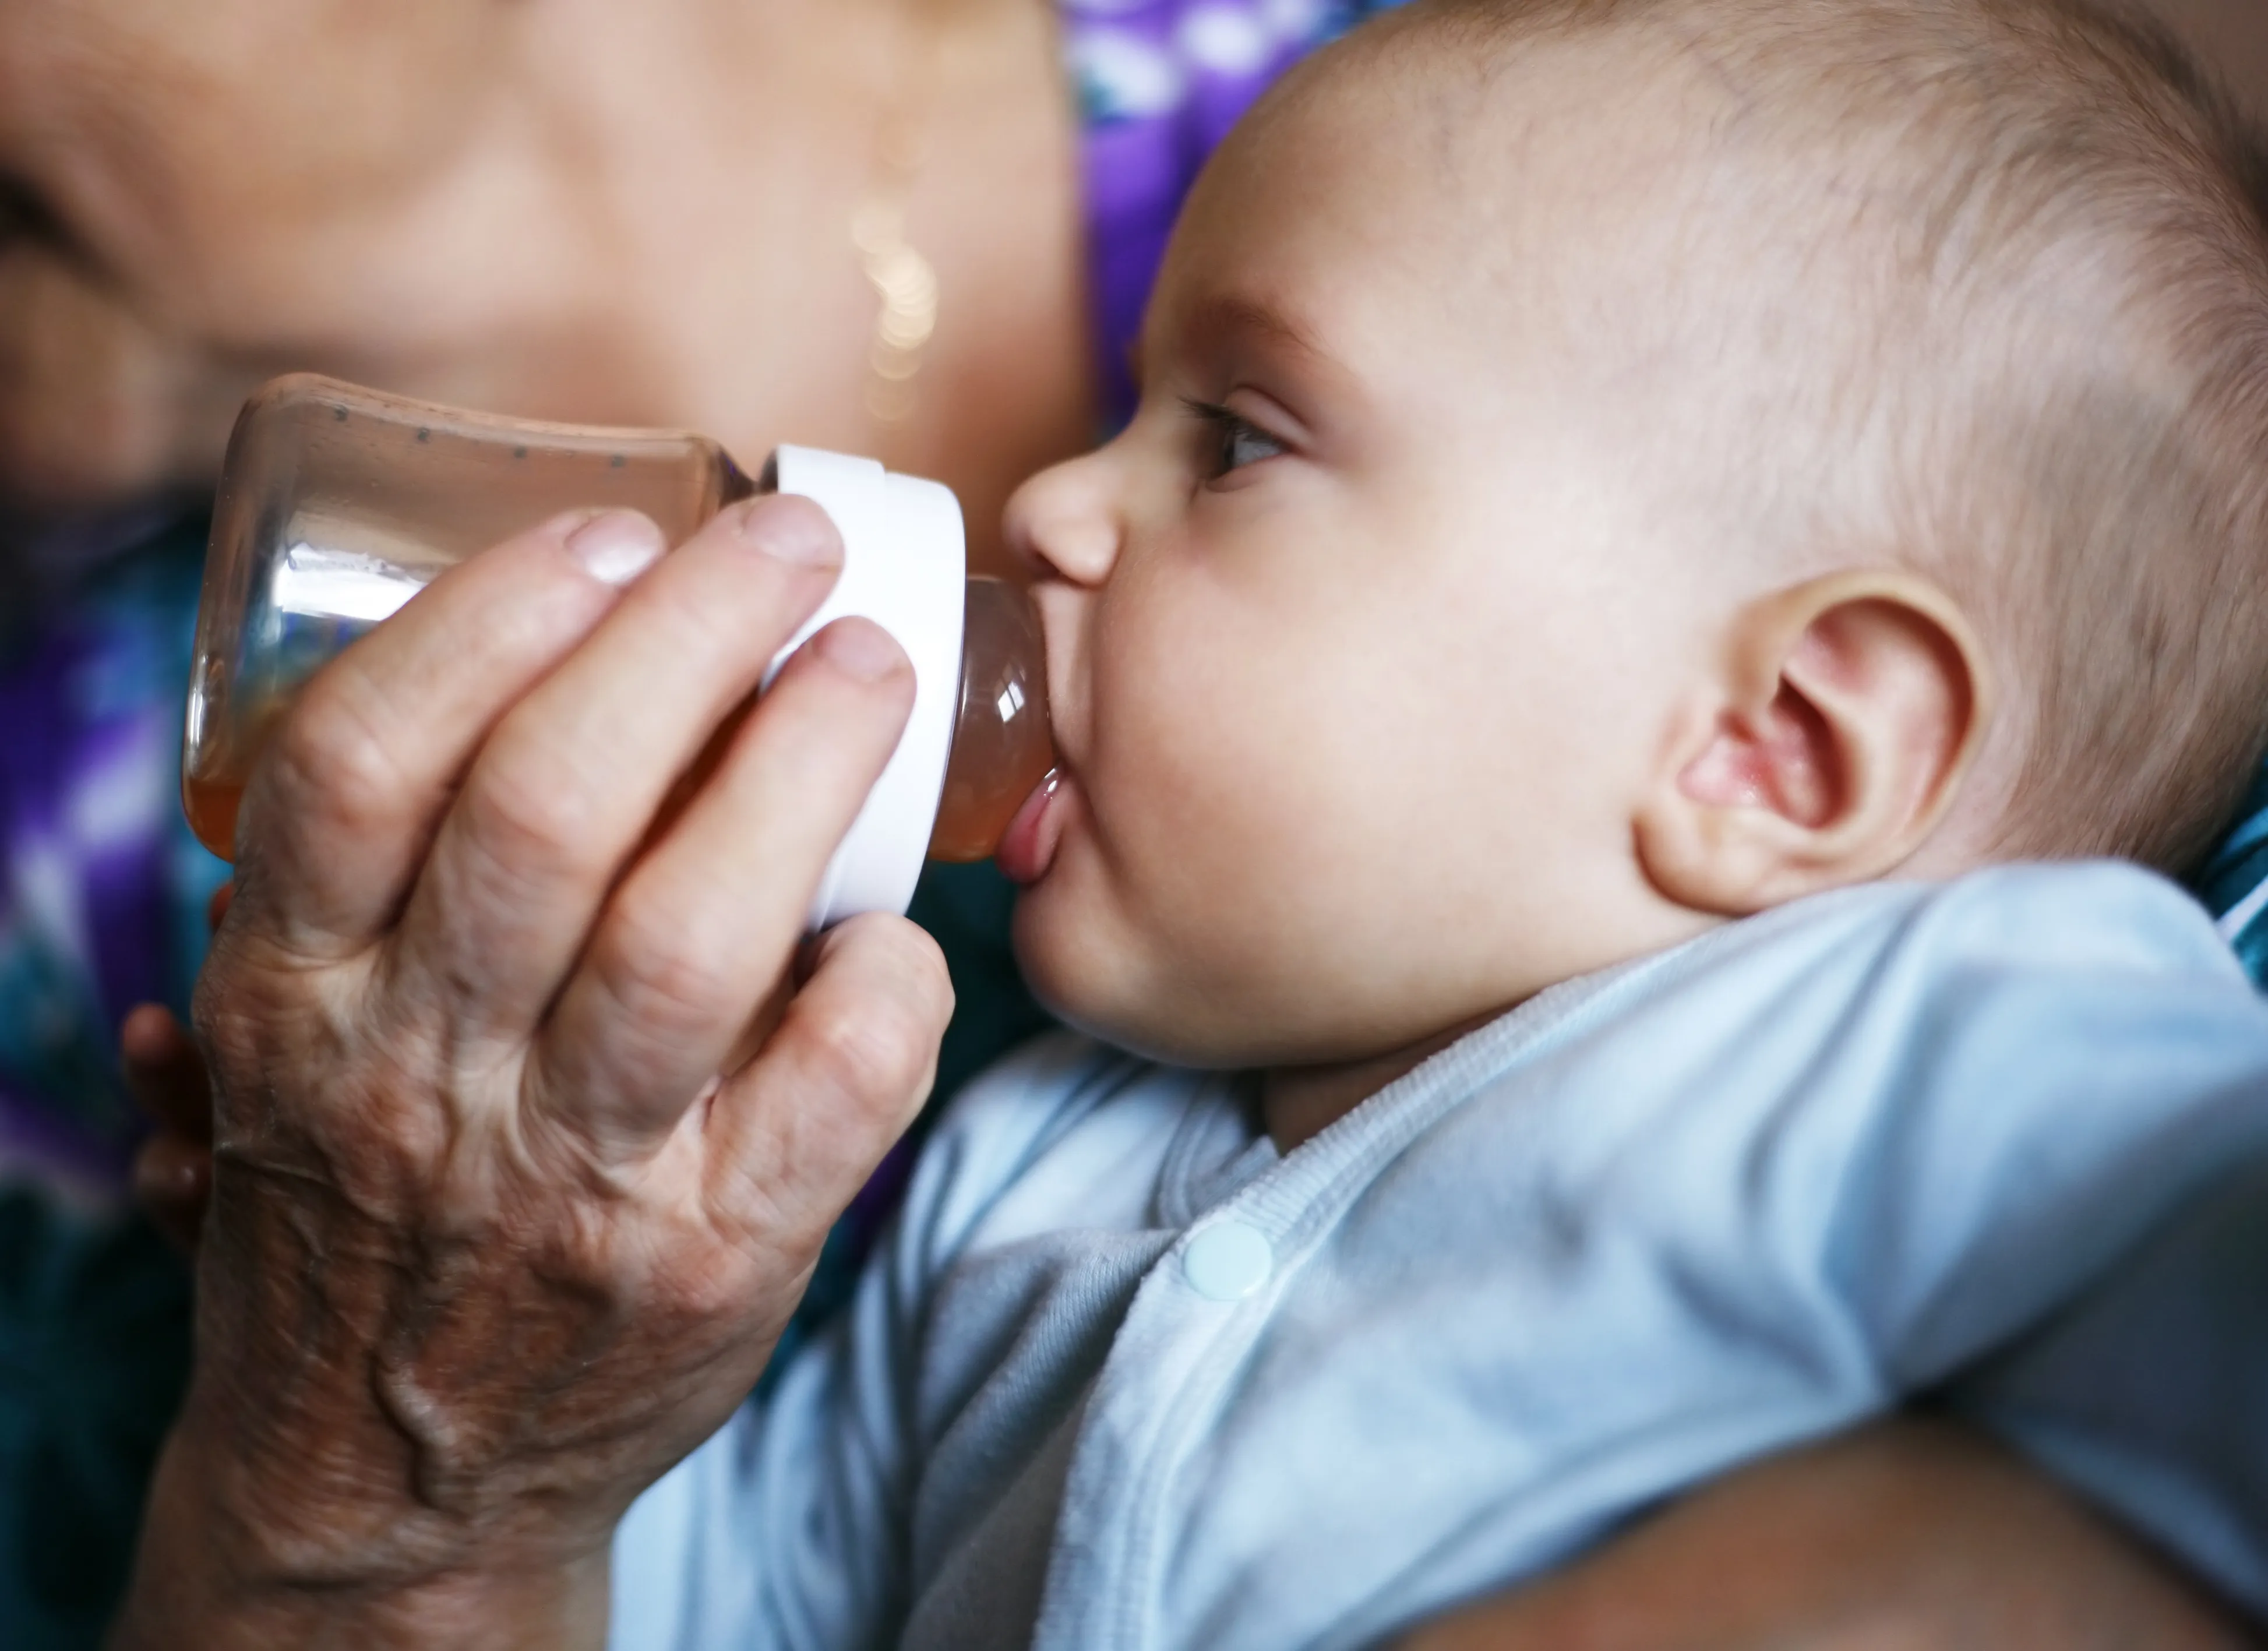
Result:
[{"x": 338, "y": 504}]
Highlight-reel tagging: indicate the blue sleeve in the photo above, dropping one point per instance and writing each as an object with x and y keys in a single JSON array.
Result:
[
  {"x": 2011, "y": 1149},
  {"x": 2052, "y": 1093},
  {"x": 2078, "y": 1154}
]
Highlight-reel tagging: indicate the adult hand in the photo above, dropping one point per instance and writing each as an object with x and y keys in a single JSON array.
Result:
[
  {"x": 165, "y": 1075},
  {"x": 1907, "y": 1536},
  {"x": 490, "y": 1243}
]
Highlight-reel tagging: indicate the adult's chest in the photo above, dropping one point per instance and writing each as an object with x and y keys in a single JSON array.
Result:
[{"x": 954, "y": 127}]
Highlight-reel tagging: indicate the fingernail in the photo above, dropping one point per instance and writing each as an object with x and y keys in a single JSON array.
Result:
[
  {"x": 616, "y": 547},
  {"x": 798, "y": 532},
  {"x": 859, "y": 649}
]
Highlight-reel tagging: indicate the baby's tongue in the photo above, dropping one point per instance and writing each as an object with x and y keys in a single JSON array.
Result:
[{"x": 1027, "y": 848}]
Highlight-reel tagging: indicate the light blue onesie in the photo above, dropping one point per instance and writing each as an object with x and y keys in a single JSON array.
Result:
[{"x": 1125, "y": 1377}]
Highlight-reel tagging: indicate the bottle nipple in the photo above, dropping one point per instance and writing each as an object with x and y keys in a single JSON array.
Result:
[{"x": 1001, "y": 746}]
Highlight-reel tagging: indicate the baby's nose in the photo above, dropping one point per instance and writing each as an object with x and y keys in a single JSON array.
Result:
[{"x": 1062, "y": 524}]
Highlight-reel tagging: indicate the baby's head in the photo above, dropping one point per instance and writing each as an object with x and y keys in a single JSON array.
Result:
[{"x": 1608, "y": 466}]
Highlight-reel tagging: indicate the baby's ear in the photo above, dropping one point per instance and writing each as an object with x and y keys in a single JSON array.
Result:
[{"x": 1824, "y": 751}]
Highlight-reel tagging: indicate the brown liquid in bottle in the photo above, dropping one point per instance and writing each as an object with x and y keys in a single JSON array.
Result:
[
  {"x": 995, "y": 764},
  {"x": 336, "y": 504},
  {"x": 212, "y": 806},
  {"x": 1000, "y": 744}
]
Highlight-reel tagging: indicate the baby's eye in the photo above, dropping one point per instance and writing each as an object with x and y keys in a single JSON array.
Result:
[{"x": 1230, "y": 442}]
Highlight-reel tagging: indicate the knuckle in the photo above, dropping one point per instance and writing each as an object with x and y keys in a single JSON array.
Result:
[
  {"x": 864, "y": 1055},
  {"x": 931, "y": 982},
  {"x": 331, "y": 759},
  {"x": 551, "y": 598},
  {"x": 671, "y": 977},
  {"x": 526, "y": 818},
  {"x": 906, "y": 964},
  {"x": 713, "y": 608}
]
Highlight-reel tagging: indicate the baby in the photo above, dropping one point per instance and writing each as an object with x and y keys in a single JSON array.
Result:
[{"x": 1616, "y": 482}]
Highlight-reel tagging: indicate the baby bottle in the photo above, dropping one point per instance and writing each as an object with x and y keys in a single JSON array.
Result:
[{"x": 338, "y": 504}]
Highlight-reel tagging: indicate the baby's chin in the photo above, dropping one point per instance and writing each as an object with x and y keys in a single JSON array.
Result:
[
  {"x": 1098, "y": 974},
  {"x": 1079, "y": 972}
]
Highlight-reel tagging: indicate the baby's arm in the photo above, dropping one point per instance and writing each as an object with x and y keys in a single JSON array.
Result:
[
  {"x": 2064, "y": 1228},
  {"x": 785, "y": 1529}
]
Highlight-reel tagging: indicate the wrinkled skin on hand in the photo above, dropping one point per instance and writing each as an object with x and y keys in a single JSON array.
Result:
[
  {"x": 490, "y": 1242},
  {"x": 424, "y": 1288}
]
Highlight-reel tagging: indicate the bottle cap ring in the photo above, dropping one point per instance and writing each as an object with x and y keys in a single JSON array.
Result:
[{"x": 905, "y": 567}]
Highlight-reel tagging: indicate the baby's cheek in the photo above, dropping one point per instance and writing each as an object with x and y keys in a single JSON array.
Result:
[
  {"x": 1242, "y": 846},
  {"x": 1235, "y": 762}
]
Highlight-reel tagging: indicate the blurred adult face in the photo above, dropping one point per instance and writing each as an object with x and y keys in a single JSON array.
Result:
[
  {"x": 196, "y": 197},
  {"x": 559, "y": 209},
  {"x": 437, "y": 195}
]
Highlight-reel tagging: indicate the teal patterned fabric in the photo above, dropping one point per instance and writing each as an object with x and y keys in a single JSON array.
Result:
[
  {"x": 103, "y": 902},
  {"x": 2234, "y": 884},
  {"x": 102, "y": 906}
]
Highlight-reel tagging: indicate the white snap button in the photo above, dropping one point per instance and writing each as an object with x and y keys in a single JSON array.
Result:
[{"x": 1228, "y": 1261}]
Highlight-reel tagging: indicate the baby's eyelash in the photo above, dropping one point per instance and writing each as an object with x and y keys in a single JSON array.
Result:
[
  {"x": 1227, "y": 432},
  {"x": 1213, "y": 416}
]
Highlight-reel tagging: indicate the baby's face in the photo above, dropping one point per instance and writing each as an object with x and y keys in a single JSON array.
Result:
[{"x": 1361, "y": 637}]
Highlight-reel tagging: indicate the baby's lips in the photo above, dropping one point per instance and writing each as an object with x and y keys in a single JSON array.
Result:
[{"x": 1028, "y": 847}]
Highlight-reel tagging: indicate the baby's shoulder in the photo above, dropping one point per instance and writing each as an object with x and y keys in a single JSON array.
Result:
[
  {"x": 1992, "y": 1022},
  {"x": 2069, "y": 926},
  {"x": 2071, "y": 916}
]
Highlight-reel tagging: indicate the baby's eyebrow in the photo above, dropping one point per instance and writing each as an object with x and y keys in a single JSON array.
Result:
[{"x": 1218, "y": 319}]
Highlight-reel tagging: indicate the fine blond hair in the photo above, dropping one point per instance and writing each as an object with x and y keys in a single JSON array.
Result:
[{"x": 2066, "y": 257}]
